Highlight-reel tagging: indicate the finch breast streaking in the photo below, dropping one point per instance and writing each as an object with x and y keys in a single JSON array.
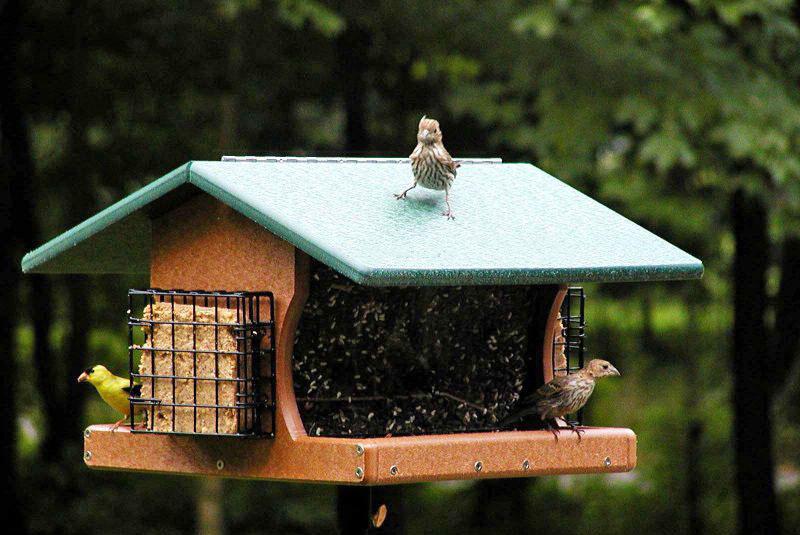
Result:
[
  {"x": 432, "y": 165},
  {"x": 565, "y": 394}
]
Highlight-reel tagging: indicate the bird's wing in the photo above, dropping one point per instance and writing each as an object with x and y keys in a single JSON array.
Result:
[
  {"x": 114, "y": 391},
  {"x": 553, "y": 387},
  {"x": 135, "y": 391},
  {"x": 549, "y": 390},
  {"x": 444, "y": 158},
  {"x": 528, "y": 406},
  {"x": 415, "y": 155}
]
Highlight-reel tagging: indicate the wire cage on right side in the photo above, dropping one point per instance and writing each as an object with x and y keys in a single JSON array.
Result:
[{"x": 569, "y": 346}]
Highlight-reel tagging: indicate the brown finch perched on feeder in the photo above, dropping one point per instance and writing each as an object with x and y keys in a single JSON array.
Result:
[
  {"x": 565, "y": 394},
  {"x": 432, "y": 165}
]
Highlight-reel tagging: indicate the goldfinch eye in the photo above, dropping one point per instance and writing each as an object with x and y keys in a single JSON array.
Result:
[{"x": 89, "y": 371}]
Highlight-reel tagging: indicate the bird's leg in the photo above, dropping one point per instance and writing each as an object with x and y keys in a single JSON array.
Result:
[
  {"x": 576, "y": 429},
  {"x": 136, "y": 425},
  {"x": 552, "y": 428},
  {"x": 449, "y": 212},
  {"x": 145, "y": 418},
  {"x": 399, "y": 196},
  {"x": 117, "y": 424}
]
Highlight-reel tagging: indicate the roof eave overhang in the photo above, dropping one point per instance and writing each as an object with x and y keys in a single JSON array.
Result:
[{"x": 118, "y": 240}]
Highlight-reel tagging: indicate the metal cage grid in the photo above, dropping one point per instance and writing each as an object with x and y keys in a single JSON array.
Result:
[
  {"x": 573, "y": 336},
  {"x": 255, "y": 396}
]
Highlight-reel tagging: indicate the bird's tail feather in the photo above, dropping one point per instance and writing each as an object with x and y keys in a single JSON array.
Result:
[{"x": 515, "y": 417}]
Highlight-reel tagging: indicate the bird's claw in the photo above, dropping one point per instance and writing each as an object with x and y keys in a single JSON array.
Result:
[
  {"x": 449, "y": 215},
  {"x": 577, "y": 430},
  {"x": 399, "y": 196}
]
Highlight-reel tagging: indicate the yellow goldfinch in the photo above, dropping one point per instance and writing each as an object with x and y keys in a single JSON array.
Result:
[{"x": 114, "y": 390}]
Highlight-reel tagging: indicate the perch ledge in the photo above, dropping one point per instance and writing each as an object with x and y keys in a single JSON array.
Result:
[{"x": 373, "y": 461}]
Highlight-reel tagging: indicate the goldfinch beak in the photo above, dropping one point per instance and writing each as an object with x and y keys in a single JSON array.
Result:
[{"x": 83, "y": 377}]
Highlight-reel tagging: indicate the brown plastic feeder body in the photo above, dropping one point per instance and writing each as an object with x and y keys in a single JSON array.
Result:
[{"x": 204, "y": 244}]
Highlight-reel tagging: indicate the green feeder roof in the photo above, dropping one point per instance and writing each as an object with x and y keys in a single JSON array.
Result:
[{"x": 515, "y": 224}]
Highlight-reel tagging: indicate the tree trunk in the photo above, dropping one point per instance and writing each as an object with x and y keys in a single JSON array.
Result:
[
  {"x": 352, "y": 52},
  {"x": 786, "y": 335},
  {"x": 694, "y": 435},
  {"x": 758, "y": 512},
  {"x": 64, "y": 436},
  {"x": 16, "y": 169},
  {"x": 694, "y": 477},
  {"x": 501, "y": 506},
  {"x": 41, "y": 315},
  {"x": 210, "y": 515},
  {"x": 648, "y": 333},
  {"x": 56, "y": 376}
]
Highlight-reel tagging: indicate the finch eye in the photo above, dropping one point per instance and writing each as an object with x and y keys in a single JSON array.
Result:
[
  {"x": 605, "y": 366},
  {"x": 89, "y": 371}
]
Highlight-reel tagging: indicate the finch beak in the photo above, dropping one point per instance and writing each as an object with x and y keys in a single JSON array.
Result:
[
  {"x": 83, "y": 377},
  {"x": 613, "y": 371}
]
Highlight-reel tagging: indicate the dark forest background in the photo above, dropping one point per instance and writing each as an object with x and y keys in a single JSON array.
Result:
[{"x": 683, "y": 115}]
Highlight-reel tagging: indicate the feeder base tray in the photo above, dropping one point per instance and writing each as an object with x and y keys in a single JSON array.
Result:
[{"x": 373, "y": 461}]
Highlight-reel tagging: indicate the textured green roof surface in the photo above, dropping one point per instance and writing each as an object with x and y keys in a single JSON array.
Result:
[{"x": 515, "y": 224}]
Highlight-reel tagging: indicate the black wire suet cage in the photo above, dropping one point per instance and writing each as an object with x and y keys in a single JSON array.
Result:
[
  {"x": 204, "y": 362},
  {"x": 569, "y": 348}
]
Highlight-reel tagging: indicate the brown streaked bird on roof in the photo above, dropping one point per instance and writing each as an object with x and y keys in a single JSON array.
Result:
[
  {"x": 432, "y": 165},
  {"x": 565, "y": 394}
]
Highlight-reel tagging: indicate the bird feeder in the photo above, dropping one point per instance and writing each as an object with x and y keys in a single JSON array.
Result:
[{"x": 301, "y": 324}]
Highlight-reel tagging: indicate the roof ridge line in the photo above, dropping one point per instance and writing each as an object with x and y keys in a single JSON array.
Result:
[{"x": 341, "y": 159}]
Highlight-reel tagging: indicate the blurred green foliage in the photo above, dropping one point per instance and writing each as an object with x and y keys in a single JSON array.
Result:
[{"x": 657, "y": 108}]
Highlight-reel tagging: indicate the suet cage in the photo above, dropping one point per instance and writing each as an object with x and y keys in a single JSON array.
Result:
[
  {"x": 569, "y": 340},
  {"x": 206, "y": 362},
  {"x": 340, "y": 336}
]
